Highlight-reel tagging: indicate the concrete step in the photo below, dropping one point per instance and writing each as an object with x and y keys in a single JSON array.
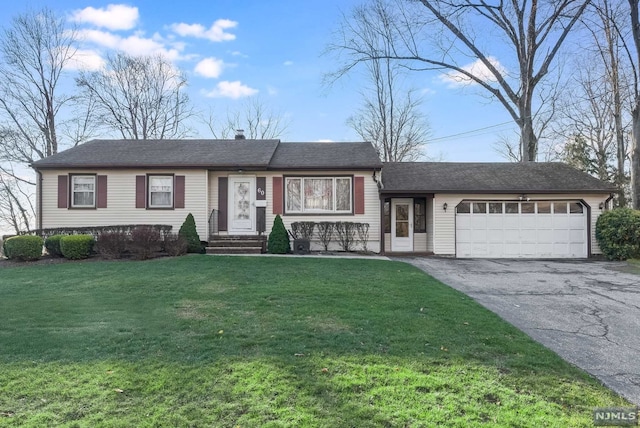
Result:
[
  {"x": 234, "y": 250},
  {"x": 235, "y": 243}
]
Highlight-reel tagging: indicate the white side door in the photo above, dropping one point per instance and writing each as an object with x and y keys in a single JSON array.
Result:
[{"x": 401, "y": 225}]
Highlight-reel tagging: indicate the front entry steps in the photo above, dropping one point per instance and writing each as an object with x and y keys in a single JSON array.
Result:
[{"x": 237, "y": 244}]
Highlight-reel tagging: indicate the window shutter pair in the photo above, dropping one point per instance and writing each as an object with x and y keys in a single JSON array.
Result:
[
  {"x": 63, "y": 191},
  {"x": 178, "y": 191},
  {"x": 358, "y": 198}
]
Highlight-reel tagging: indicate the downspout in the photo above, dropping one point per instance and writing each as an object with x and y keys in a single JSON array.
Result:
[
  {"x": 606, "y": 202},
  {"x": 39, "y": 196}
]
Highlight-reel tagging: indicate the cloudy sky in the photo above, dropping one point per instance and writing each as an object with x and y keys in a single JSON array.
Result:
[{"x": 234, "y": 49}]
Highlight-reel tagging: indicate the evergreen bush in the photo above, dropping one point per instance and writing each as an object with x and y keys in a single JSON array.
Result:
[
  {"x": 278, "y": 242},
  {"x": 618, "y": 233},
  {"x": 27, "y": 247},
  {"x": 52, "y": 244},
  {"x": 189, "y": 232},
  {"x": 75, "y": 247}
]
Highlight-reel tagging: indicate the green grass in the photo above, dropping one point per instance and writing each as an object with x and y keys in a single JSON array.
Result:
[{"x": 258, "y": 341}]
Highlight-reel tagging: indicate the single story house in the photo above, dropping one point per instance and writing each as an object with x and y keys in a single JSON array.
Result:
[{"x": 237, "y": 187}]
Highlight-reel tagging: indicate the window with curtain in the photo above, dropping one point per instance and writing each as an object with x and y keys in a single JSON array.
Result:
[
  {"x": 83, "y": 191},
  {"x": 322, "y": 195},
  {"x": 160, "y": 191}
]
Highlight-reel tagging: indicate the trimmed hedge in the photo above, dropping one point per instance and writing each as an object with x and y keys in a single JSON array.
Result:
[
  {"x": 96, "y": 230},
  {"x": 145, "y": 242},
  {"x": 278, "y": 238},
  {"x": 52, "y": 244},
  {"x": 175, "y": 244},
  {"x": 112, "y": 245},
  {"x": 618, "y": 233},
  {"x": 76, "y": 247},
  {"x": 23, "y": 248}
]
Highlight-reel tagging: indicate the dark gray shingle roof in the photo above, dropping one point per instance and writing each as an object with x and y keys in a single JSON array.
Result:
[
  {"x": 325, "y": 156},
  {"x": 164, "y": 153},
  {"x": 450, "y": 177}
]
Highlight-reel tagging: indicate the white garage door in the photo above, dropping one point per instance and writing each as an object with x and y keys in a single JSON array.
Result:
[{"x": 541, "y": 229}]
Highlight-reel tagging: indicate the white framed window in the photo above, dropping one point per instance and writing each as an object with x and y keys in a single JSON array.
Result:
[
  {"x": 318, "y": 195},
  {"x": 83, "y": 191},
  {"x": 160, "y": 191}
]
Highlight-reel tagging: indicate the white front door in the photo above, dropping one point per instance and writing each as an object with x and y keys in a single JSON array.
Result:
[
  {"x": 402, "y": 225},
  {"x": 242, "y": 209}
]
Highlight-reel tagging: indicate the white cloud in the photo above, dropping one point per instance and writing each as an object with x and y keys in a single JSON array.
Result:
[
  {"x": 113, "y": 17},
  {"x": 86, "y": 59},
  {"x": 133, "y": 45},
  {"x": 215, "y": 33},
  {"x": 272, "y": 90},
  {"x": 234, "y": 90},
  {"x": 477, "y": 68},
  {"x": 210, "y": 67},
  {"x": 324, "y": 141},
  {"x": 288, "y": 63}
]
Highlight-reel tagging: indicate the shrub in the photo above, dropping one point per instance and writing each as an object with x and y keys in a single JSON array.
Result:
[
  {"x": 145, "y": 241},
  {"x": 27, "y": 247},
  {"x": 325, "y": 233},
  {"x": 189, "y": 232},
  {"x": 112, "y": 245},
  {"x": 363, "y": 235},
  {"x": 346, "y": 232},
  {"x": 303, "y": 229},
  {"x": 278, "y": 238},
  {"x": 618, "y": 233},
  {"x": 75, "y": 247},
  {"x": 52, "y": 244},
  {"x": 175, "y": 244}
]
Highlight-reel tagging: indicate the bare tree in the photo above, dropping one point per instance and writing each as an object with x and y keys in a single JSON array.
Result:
[
  {"x": 390, "y": 115},
  {"x": 587, "y": 122},
  {"x": 635, "y": 111},
  {"x": 139, "y": 97},
  {"x": 254, "y": 117},
  {"x": 35, "y": 50},
  {"x": 444, "y": 35}
]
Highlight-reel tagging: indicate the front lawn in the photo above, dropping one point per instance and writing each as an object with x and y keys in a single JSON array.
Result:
[{"x": 263, "y": 341}]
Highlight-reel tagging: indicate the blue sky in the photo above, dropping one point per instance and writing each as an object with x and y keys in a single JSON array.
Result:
[{"x": 231, "y": 49}]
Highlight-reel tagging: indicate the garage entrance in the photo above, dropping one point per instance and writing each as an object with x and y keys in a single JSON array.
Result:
[{"x": 521, "y": 229}]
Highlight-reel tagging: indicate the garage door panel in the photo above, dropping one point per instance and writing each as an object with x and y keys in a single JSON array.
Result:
[{"x": 523, "y": 234}]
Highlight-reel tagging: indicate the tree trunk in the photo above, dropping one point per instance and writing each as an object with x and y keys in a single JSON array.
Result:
[{"x": 635, "y": 155}]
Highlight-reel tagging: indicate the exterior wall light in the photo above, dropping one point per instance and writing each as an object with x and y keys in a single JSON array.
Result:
[{"x": 444, "y": 206}]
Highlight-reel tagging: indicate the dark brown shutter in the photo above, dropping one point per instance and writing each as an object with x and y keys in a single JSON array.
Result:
[
  {"x": 179, "y": 192},
  {"x": 358, "y": 189},
  {"x": 101, "y": 199},
  {"x": 141, "y": 191},
  {"x": 223, "y": 184},
  {"x": 277, "y": 195},
  {"x": 63, "y": 191},
  {"x": 261, "y": 188}
]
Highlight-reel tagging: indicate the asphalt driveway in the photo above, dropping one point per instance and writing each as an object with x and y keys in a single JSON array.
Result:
[{"x": 586, "y": 311}]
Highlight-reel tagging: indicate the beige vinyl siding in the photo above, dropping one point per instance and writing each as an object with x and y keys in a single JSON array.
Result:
[
  {"x": 371, "y": 202},
  {"x": 444, "y": 221},
  {"x": 420, "y": 242},
  {"x": 121, "y": 201}
]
